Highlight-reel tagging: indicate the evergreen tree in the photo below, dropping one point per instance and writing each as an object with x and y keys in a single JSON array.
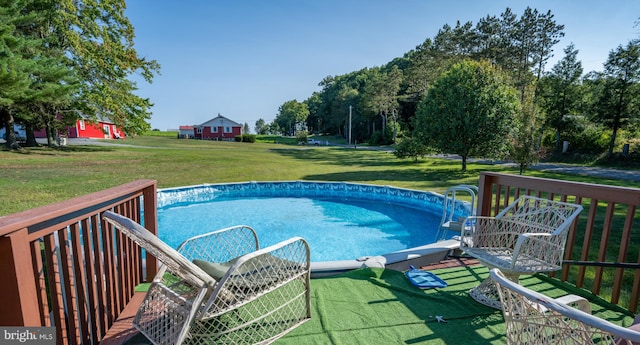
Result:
[
  {"x": 616, "y": 90},
  {"x": 560, "y": 94},
  {"x": 53, "y": 84},
  {"x": 15, "y": 67}
]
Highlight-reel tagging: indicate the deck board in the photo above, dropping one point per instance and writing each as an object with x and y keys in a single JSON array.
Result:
[{"x": 122, "y": 329}]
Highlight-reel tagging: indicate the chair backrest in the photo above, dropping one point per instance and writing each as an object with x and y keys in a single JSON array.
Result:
[
  {"x": 221, "y": 245},
  {"x": 533, "y": 318},
  {"x": 175, "y": 262},
  {"x": 542, "y": 215}
]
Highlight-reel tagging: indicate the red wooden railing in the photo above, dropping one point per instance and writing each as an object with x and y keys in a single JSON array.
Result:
[
  {"x": 61, "y": 265},
  {"x": 598, "y": 256}
]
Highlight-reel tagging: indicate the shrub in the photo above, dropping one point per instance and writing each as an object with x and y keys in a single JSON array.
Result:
[
  {"x": 410, "y": 148},
  {"x": 245, "y": 138},
  {"x": 249, "y": 138},
  {"x": 590, "y": 140},
  {"x": 378, "y": 138},
  {"x": 302, "y": 137}
]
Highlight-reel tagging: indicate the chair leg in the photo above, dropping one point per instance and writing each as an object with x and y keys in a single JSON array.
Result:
[{"x": 487, "y": 292}]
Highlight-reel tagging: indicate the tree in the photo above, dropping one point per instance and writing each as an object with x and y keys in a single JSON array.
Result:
[
  {"x": 467, "y": 111},
  {"x": 100, "y": 40},
  {"x": 261, "y": 127},
  {"x": 616, "y": 90},
  {"x": 560, "y": 92},
  {"x": 338, "y": 93},
  {"x": 548, "y": 34},
  {"x": 53, "y": 83},
  {"x": 274, "y": 128},
  {"x": 523, "y": 137},
  {"x": 15, "y": 67},
  {"x": 533, "y": 37},
  {"x": 246, "y": 129},
  {"x": 290, "y": 114},
  {"x": 65, "y": 57},
  {"x": 422, "y": 68},
  {"x": 456, "y": 43},
  {"x": 381, "y": 94},
  {"x": 314, "y": 120}
]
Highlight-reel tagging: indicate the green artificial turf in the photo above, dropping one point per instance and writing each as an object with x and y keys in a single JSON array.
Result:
[{"x": 378, "y": 306}]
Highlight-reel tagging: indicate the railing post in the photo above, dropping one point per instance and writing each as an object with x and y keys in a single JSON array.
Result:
[
  {"x": 18, "y": 295},
  {"x": 151, "y": 223},
  {"x": 485, "y": 195}
]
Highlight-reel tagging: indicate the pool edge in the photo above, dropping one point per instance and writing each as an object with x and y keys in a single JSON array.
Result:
[{"x": 400, "y": 260}]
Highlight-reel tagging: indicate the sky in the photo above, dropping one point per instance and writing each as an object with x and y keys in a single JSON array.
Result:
[{"x": 244, "y": 59}]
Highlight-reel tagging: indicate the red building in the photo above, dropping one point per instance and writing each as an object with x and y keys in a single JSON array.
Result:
[
  {"x": 103, "y": 129},
  {"x": 218, "y": 128}
]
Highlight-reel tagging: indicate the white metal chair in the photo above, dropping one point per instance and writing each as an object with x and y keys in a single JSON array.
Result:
[
  {"x": 527, "y": 237},
  {"x": 219, "y": 288},
  {"x": 533, "y": 318}
]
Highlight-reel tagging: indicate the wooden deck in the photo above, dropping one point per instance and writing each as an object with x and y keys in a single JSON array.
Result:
[
  {"x": 122, "y": 330},
  {"x": 452, "y": 262}
]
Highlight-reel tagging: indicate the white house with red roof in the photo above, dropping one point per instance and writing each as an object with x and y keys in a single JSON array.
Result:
[{"x": 186, "y": 132}]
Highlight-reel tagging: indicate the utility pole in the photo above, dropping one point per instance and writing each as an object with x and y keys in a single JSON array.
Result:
[
  {"x": 395, "y": 126},
  {"x": 349, "y": 125}
]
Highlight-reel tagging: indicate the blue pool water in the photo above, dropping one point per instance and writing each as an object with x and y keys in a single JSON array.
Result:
[
  {"x": 335, "y": 230},
  {"x": 339, "y": 220}
]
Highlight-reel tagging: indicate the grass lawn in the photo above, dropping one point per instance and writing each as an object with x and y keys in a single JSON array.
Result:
[{"x": 33, "y": 177}]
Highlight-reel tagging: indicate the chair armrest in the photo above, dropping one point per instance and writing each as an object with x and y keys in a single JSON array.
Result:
[
  {"x": 544, "y": 247},
  {"x": 221, "y": 245},
  {"x": 528, "y": 237},
  {"x": 575, "y": 301}
]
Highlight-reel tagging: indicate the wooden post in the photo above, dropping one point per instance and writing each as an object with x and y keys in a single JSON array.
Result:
[
  {"x": 151, "y": 223},
  {"x": 485, "y": 194},
  {"x": 18, "y": 295}
]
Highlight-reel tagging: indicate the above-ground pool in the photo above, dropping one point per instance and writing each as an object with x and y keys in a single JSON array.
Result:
[{"x": 340, "y": 221}]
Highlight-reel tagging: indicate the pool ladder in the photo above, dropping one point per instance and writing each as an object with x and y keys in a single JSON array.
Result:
[{"x": 448, "y": 223}]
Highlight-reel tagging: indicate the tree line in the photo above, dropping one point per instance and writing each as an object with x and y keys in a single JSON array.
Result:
[
  {"x": 62, "y": 59},
  {"x": 393, "y": 103}
]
